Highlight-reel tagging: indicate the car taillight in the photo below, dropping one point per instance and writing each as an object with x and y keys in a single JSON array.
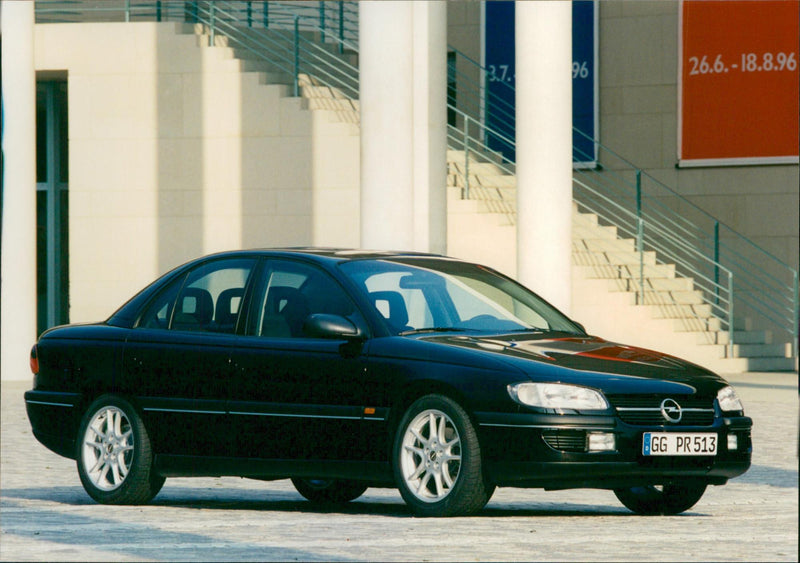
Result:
[{"x": 34, "y": 360}]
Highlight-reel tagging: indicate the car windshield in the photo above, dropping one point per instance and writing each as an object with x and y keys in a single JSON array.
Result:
[{"x": 437, "y": 295}]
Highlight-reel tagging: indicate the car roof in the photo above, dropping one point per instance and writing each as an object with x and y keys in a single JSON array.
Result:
[{"x": 324, "y": 254}]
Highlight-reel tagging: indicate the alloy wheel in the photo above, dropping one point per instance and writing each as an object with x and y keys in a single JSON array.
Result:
[{"x": 430, "y": 457}]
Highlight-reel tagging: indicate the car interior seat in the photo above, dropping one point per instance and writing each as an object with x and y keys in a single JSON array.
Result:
[
  {"x": 227, "y": 309},
  {"x": 392, "y": 306},
  {"x": 285, "y": 306},
  {"x": 195, "y": 309}
]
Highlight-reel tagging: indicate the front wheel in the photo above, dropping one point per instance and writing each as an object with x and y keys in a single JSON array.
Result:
[
  {"x": 115, "y": 460},
  {"x": 667, "y": 499},
  {"x": 329, "y": 490},
  {"x": 437, "y": 459}
]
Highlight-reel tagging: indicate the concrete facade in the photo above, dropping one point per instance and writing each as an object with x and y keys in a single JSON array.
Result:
[
  {"x": 166, "y": 164},
  {"x": 639, "y": 119}
]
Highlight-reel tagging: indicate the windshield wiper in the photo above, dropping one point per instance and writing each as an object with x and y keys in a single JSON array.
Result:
[
  {"x": 431, "y": 329},
  {"x": 546, "y": 331}
]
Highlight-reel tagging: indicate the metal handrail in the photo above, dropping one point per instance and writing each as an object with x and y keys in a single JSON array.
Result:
[{"x": 334, "y": 19}]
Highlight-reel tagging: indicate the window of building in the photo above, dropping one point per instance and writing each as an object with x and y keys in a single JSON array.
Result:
[{"x": 52, "y": 204}]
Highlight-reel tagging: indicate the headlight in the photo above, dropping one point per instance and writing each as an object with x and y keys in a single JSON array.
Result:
[
  {"x": 557, "y": 396},
  {"x": 728, "y": 401}
]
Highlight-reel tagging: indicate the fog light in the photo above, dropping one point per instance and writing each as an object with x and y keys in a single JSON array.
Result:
[
  {"x": 602, "y": 442},
  {"x": 733, "y": 442}
]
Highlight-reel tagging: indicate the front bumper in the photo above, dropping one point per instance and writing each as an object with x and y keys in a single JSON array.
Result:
[{"x": 547, "y": 451}]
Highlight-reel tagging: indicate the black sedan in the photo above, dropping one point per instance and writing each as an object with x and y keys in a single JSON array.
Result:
[{"x": 344, "y": 370}]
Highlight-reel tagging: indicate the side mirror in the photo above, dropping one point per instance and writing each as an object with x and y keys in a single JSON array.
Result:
[{"x": 320, "y": 325}]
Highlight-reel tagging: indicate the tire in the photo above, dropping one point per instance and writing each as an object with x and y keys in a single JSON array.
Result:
[
  {"x": 437, "y": 459},
  {"x": 669, "y": 499},
  {"x": 114, "y": 457},
  {"x": 329, "y": 491}
]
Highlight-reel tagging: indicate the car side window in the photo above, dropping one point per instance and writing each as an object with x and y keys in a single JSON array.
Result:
[
  {"x": 208, "y": 299},
  {"x": 290, "y": 293}
]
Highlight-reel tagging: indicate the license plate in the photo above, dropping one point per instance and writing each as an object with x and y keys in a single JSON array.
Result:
[{"x": 670, "y": 443}]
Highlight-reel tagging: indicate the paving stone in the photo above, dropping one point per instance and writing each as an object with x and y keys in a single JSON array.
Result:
[{"x": 46, "y": 515}]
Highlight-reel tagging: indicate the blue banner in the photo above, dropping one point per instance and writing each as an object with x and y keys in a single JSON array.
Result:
[{"x": 499, "y": 60}]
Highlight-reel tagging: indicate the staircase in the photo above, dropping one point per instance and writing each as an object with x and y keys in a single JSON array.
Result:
[{"x": 676, "y": 317}]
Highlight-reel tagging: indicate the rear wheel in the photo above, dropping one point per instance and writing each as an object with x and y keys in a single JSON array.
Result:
[
  {"x": 115, "y": 461},
  {"x": 666, "y": 499},
  {"x": 329, "y": 490},
  {"x": 437, "y": 459}
]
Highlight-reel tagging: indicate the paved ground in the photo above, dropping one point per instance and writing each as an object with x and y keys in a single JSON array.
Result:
[{"x": 45, "y": 514}]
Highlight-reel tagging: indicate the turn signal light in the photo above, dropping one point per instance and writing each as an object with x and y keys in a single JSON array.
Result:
[{"x": 34, "y": 360}]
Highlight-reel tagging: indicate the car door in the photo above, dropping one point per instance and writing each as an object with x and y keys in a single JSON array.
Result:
[
  {"x": 177, "y": 359},
  {"x": 294, "y": 397}
]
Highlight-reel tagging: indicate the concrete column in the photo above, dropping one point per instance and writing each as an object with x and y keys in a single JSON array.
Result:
[
  {"x": 403, "y": 94},
  {"x": 430, "y": 126},
  {"x": 544, "y": 149},
  {"x": 387, "y": 112},
  {"x": 19, "y": 191}
]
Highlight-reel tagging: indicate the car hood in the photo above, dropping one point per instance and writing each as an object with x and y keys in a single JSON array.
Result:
[{"x": 591, "y": 361}]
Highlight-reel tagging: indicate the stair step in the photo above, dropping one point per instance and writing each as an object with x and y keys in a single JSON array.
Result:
[
  {"x": 261, "y": 66},
  {"x": 625, "y": 271},
  {"x": 593, "y": 232},
  {"x": 602, "y": 244},
  {"x": 745, "y": 337},
  {"x": 331, "y": 104},
  {"x": 674, "y": 311},
  {"x": 584, "y": 219},
  {"x": 673, "y": 298},
  {"x": 698, "y": 325},
  {"x": 652, "y": 284},
  {"x": 771, "y": 364},
  {"x": 615, "y": 258},
  {"x": 762, "y": 350}
]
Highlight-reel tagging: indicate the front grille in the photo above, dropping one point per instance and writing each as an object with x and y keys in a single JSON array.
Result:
[
  {"x": 565, "y": 440},
  {"x": 645, "y": 410}
]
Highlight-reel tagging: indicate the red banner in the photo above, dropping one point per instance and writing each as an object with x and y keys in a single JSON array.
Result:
[{"x": 739, "y": 82}]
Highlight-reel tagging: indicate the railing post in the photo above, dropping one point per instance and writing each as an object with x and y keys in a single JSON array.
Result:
[
  {"x": 341, "y": 27},
  {"x": 249, "y": 14},
  {"x": 716, "y": 261},
  {"x": 127, "y": 10},
  {"x": 730, "y": 314},
  {"x": 640, "y": 234},
  {"x": 322, "y": 20},
  {"x": 266, "y": 15},
  {"x": 296, "y": 55},
  {"x": 211, "y": 35},
  {"x": 158, "y": 10},
  {"x": 795, "y": 318},
  {"x": 192, "y": 12},
  {"x": 466, "y": 157}
]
